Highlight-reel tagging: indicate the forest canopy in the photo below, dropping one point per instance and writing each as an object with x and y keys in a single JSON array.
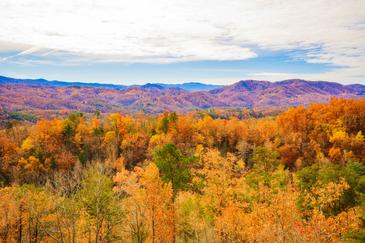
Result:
[{"x": 298, "y": 176}]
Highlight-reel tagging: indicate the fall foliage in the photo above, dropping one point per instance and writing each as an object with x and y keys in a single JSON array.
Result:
[{"x": 195, "y": 177}]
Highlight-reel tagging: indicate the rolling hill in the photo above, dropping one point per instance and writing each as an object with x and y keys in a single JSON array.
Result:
[{"x": 55, "y": 96}]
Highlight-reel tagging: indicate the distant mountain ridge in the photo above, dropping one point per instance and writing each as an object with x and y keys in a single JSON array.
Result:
[
  {"x": 44, "y": 82},
  {"x": 190, "y": 86},
  {"x": 42, "y": 95}
]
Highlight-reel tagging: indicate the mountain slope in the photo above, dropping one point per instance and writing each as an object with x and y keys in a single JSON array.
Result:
[
  {"x": 284, "y": 93},
  {"x": 40, "y": 95}
]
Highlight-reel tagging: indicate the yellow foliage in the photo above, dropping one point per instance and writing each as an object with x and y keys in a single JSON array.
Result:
[
  {"x": 324, "y": 196},
  {"x": 339, "y": 136},
  {"x": 27, "y": 144}
]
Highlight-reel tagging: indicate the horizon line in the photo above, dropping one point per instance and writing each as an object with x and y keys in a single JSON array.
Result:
[{"x": 177, "y": 83}]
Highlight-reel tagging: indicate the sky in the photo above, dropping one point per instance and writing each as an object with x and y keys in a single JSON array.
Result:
[{"x": 176, "y": 41}]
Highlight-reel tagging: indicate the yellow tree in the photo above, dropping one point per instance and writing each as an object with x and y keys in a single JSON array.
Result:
[
  {"x": 159, "y": 205},
  {"x": 220, "y": 180},
  {"x": 149, "y": 204},
  {"x": 192, "y": 223},
  {"x": 129, "y": 188},
  {"x": 9, "y": 220}
]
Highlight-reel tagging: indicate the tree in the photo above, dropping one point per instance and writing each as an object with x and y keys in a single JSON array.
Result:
[
  {"x": 220, "y": 181},
  {"x": 100, "y": 206},
  {"x": 129, "y": 186},
  {"x": 192, "y": 222},
  {"x": 134, "y": 148},
  {"x": 231, "y": 225},
  {"x": 265, "y": 160},
  {"x": 173, "y": 166},
  {"x": 9, "y": 223},
  {"x": 27, "y": 214},
  {"x": 159, "y": 204}
]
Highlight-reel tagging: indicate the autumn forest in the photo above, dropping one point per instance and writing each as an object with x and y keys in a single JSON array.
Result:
[{"x": 196, "y": 177}]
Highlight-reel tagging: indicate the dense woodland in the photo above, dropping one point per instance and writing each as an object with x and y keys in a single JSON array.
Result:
[
  {"x": 46, "y": 98},
  {"x": 295, "y": 177}
]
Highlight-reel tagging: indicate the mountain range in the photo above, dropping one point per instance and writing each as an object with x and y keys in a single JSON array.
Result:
[
  {"x": 43, "y": 95},
  {"x": 191, "y": 86}
]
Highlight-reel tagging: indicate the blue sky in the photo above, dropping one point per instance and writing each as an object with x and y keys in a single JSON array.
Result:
[
  {"x": 219, "y": 72},
  {"x": 174, "y": 41}
]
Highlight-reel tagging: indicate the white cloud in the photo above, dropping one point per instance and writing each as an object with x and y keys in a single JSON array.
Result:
[
  {"x": 22, "y": 53},
  {"x": 161, "y": 31}
]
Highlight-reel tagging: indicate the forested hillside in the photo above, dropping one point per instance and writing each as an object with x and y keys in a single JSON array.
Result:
[
  {"x": 193, "y": 177},
  {"x": 48, "y": 98}
]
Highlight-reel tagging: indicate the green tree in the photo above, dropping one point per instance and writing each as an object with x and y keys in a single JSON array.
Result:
[
  {"x": 173, "y": 166},
  {"x": 101, "y": 206},
  {"x": 265, "y": 159},
  {"x": 353, "y": 172},
  {"x": 164, "y": 125},
  {"x": 263, "y": 162}
]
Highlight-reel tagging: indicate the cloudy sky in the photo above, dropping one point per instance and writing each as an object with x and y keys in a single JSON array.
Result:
[{"x": 174, "y": 41}]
